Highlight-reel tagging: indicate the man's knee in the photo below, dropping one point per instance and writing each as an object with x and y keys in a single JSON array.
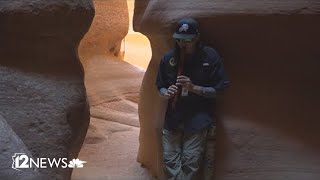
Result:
[
  {"x": 191, "y": 160},
  {"x": 171, "y": 158}
]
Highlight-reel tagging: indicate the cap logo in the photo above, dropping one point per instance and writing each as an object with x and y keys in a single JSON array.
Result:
[{"x": 184, "y": 27}]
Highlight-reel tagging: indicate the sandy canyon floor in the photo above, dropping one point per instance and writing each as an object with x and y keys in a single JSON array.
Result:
[{"x": 111, "y": 144}]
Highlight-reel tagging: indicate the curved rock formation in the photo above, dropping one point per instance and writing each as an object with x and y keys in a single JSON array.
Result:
[
  {"x": 42, "y": 95},
  {"x": 99, "y": 50},
  {"x": 113, "y": 87},
  {"x": 110, "y": 25},
  {"x": 268, "y": 120}
]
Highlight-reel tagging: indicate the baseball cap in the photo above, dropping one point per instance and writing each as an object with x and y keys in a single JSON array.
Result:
[{"x": 187, "y": 28}]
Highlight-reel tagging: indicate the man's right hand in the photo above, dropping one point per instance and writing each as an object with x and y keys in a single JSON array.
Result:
[{"x": 170, "y": 92}]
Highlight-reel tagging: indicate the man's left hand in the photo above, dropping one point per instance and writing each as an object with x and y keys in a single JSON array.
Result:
[{"x": 185, "y": 82}]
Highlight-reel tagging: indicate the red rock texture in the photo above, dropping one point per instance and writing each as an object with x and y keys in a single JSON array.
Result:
[
  {"x": 43, "y": 98},
  {"x": 268, "y": 120}
]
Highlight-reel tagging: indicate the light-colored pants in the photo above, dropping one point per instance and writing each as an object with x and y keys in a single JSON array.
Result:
[{"x": 183, "y": 153}]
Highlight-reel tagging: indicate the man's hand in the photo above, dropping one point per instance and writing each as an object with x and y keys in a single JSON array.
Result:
[
  {"x": 185, "y": 82},
  {"x": 170, "y": 92}
]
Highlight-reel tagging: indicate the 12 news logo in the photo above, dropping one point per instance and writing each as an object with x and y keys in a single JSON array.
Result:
[{"x": 22, "y": 161}]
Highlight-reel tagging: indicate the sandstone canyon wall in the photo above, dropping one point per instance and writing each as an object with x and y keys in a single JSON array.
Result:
[
  {"x": 113, "y": 85},
  {"x": 110, "y": 25},
  {"x": 268, "y": 120},
  {"x": 99, "y": 53},
  {"x": 42, "y": 96}
]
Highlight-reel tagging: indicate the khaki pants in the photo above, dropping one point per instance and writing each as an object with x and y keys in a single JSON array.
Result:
[{"x": 183, "y": 153}]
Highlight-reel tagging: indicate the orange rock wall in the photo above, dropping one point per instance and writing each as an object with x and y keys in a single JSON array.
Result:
[
  {"x": 110, "y": 25},
  {"x": 268, "y": 119}
]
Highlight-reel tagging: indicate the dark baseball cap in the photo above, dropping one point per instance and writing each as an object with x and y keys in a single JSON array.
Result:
[{"x": 187, "y": 28}]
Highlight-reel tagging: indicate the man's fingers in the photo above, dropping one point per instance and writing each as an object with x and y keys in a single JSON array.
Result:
[
  {"x": 172, "y": 91},
  {"x": 182, "y": 77},
  {"x": 183, "y": 80},
  {"x": 174, "y": 86},
  {"x": 167, "y": 95}
]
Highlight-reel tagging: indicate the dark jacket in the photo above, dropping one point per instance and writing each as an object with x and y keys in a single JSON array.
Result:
[{"x": 204, "y": 68}]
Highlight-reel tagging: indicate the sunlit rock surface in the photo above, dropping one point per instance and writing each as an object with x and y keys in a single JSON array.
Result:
[
  {"x": 111, "y": 144},
  {"x": 268, "y": 120},
  {"x": 110, "y": 25},
  {"x": 42, "y": 96}
]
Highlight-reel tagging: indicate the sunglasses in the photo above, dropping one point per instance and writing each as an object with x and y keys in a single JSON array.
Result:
[{"x": 184, "y": 40}]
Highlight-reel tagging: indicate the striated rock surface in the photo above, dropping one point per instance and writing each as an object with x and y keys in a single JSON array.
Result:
[
  {"x": 268, "y": 120},
  {"x": 42, "y": 96}
]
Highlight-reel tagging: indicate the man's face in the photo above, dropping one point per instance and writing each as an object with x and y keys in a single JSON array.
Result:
[{"x": 188, "y": 44}]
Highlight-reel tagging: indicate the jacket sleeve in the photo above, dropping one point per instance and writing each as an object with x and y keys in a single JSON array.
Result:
[
  {"x": 218, "y": 76},
  {"x": 162, "y": 80}
]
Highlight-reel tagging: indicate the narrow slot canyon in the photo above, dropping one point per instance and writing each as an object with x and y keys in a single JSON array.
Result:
[{"x": 114, "y": 58}]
